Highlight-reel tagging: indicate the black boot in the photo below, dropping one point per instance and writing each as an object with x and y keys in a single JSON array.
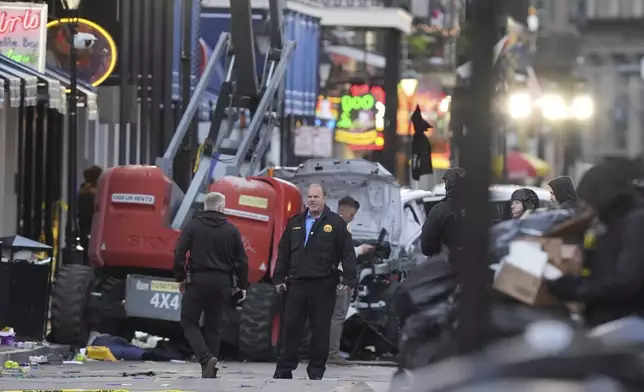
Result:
[{"x": 209, "y": 369}]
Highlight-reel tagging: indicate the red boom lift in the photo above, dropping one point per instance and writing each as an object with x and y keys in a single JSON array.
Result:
[{"x": 139, "y": 212}]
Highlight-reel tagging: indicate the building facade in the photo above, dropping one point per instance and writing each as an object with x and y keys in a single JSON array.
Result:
[
  {"x": 601, "y": 43},
  {"x": 612, "y": 48}
]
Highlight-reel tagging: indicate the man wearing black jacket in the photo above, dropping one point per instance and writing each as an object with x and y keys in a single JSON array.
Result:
[
  {"x": 615, "y": 287},
  {"x": 209, "y": 253},
  {"x": 312, "y": 245},
  {"x": 440, "y": 229}
]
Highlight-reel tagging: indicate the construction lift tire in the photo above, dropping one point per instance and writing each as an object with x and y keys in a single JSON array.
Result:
[
  {"x": 70, "y": 321},
  {"x": 260, "y": 324}
]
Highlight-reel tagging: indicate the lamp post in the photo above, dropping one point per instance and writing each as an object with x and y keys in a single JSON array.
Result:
[{"x": 74, "y": 250}]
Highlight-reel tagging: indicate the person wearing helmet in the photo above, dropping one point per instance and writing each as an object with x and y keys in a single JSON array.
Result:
[
  {"x": 522, "y": 200},
  {"x": 440, "y": 228}
]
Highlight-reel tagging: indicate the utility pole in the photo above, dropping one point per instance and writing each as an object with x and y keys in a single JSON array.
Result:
[
  {"x": 393, "y": 51},
  {"x": 73, "y": 250},
  {"x": 475, "y": 158},
  {"x": 184, "y": 160}
]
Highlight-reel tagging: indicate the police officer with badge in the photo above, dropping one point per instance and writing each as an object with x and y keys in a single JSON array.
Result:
[{"x": 312, "y": 246}]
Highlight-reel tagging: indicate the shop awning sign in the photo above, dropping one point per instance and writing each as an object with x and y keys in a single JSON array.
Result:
[{"x": 23, "y": 33}]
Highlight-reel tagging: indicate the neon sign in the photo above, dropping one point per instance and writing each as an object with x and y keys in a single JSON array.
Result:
[
  {"x": 362, "y": 118},
  {"x": 23, "y": 33},
  {"x": 29, "y": 21},
  {"x": 96, "y": 63}
]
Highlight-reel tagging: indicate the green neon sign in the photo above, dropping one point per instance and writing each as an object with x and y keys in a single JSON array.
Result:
[
  {"x": 349, "y": 104},
  {"x": 19, "y": 58}
]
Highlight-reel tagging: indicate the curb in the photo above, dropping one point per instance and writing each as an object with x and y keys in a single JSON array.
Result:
[{"x": 21, "y": 355}]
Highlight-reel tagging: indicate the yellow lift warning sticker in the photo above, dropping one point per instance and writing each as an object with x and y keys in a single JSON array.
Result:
[
  {"x": 253, "y": 201},
  {"x": 165, "y": 287}
]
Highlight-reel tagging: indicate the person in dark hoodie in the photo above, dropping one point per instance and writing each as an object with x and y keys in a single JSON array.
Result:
[
  {"x": 209, "y": 255},
  {"x": 615, "y": 286},
  {"x": 85, "y": 207},
  {"x": 523, "y": 200},
  {"x": 562, "y": 192},
  {"x": 440, "y": 229}
]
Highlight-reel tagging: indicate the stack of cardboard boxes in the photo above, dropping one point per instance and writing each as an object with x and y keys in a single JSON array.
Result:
[{"x": 532, "y": 261}]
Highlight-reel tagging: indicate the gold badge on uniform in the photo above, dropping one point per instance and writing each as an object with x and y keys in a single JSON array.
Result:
[
  {"x": 297, "y": 228},
  {"x": 327, "y": 228},
  {"x": 349, "y": 228}
]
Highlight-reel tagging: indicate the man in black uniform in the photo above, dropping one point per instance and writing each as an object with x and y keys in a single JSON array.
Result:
[
  {"x": 440, "y": 227},
  {"x": 208, "y": 254},
  {"x": 312, "y": 245},
  {"x": 523, "y": 200}
]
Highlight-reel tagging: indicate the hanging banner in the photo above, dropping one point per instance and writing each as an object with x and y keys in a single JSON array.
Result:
[
  {"x": 361, "y": 122},
  {"x": 23, "y": 33}
]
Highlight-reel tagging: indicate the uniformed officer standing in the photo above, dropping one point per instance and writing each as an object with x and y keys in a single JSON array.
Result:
[{"x": 312, "y": 245}]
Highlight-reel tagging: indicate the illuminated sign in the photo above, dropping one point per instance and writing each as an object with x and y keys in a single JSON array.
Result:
[
  {"x": 95, "y": 62},
  {"x": 362, "y": 118},
  {"x": 23, "y": 33}
]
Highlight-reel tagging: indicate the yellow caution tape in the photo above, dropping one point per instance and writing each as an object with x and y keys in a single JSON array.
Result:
[{"x": 198, "y": 160}]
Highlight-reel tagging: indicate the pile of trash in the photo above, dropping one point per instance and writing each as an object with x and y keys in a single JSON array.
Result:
[{"x": 144, "y": 347}]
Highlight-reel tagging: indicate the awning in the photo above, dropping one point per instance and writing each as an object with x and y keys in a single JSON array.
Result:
[
  {"x": 521, "y": 166},
  {"x": 84, "y": 88},
  {"x": 36, "y": 85}
]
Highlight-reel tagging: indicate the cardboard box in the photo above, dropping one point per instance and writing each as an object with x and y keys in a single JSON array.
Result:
[
  {"x": 523, "y": 286},
  {"x": 522, "y": 274},
  {"x": 566, "y": 257}
]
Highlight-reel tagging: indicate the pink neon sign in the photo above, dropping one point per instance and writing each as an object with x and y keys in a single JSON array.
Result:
[
  {"x": 23, "y": 33},
  {"x": 29, "y": 20}
]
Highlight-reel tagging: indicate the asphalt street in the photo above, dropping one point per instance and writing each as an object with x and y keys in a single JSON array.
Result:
[{"x": 154, "y": 376}]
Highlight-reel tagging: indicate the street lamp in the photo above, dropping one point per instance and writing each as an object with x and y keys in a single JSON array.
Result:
[
  {"x": 553, "y": 107},
  {"x": 519, "y": 105},
  {"x": 74, "y": 250},
  {"x": 582, "y": 108},
  {"x": 409, "y": 82}
]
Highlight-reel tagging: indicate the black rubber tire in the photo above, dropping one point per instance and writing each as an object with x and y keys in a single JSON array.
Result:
[
  {"x": 109, "y": 310},
  {"x": 256, "y": 324},
  {"x": 72, "y": 289}
]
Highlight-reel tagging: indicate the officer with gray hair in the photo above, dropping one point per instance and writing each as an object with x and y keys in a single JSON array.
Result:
[{"x": 209, "y": 255}]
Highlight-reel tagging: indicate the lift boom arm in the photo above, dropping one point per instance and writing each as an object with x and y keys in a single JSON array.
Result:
[{"x": 223, "y": 154}]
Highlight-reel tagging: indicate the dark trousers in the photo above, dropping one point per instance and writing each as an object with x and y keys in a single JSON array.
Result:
[
  {"x": 313, "y": 299},
  {"x": 209, "y": 292}
]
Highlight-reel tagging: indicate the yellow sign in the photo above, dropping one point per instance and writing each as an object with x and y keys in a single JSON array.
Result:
[
  {"x": 166, "y": 287},
  {"x": 96, "y": 59},
  {"x": 327, "y": 228},
  {"x": 252, "y": 201},
  {"x": 356, "y": 138}
]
